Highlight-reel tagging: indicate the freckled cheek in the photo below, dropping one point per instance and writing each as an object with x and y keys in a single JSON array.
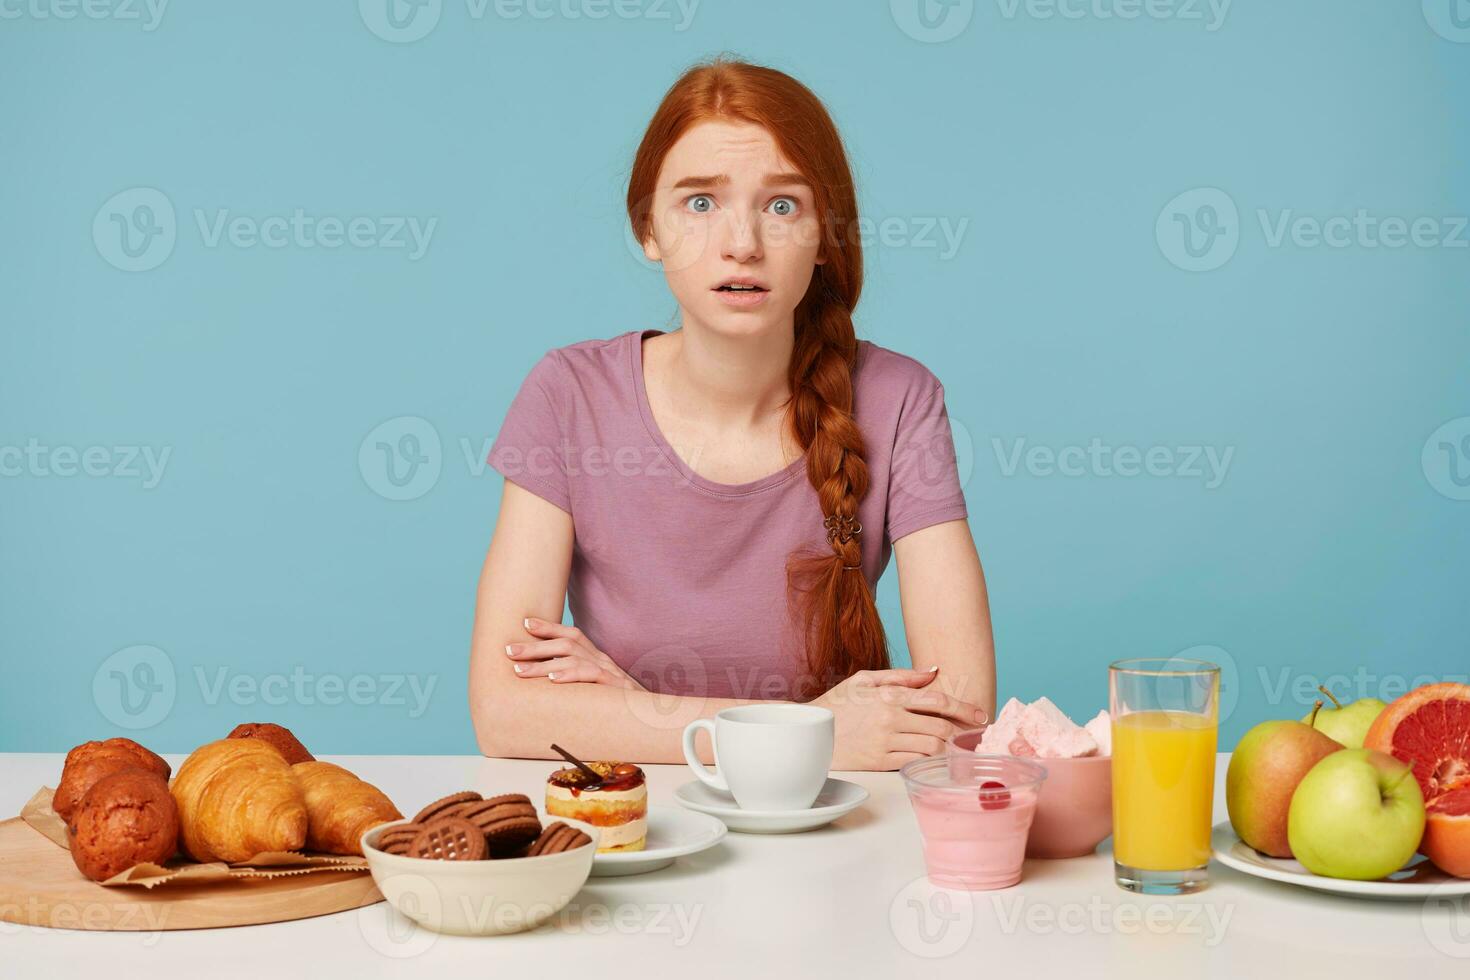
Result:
[
  {"x": 684, "y": 242},
  {"x": 791, "y": 251}
]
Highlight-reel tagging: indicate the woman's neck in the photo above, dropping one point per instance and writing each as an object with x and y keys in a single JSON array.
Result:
[{"x": 741, "y": 381}]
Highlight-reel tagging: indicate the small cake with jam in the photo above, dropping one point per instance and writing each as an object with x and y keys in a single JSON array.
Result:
[{"x": 616, "y": 802}]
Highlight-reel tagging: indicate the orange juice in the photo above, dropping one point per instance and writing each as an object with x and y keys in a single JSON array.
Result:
[{"x": 1163, "y": 789}]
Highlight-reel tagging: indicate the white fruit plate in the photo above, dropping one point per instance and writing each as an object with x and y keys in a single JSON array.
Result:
[{"x": 1417, "y": 879}]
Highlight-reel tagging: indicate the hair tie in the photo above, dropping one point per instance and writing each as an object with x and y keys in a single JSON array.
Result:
[
  {"x": 842, "y": 528},
  {"x": 852, "y": 568}
]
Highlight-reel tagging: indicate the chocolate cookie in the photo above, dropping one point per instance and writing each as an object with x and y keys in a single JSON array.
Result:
[
  {"x": 556, "y": 838},
  {"x": 507, "y": 821},
  {"x": 128, "y": 817},
  {"x": 442, "y": 807},
  {"x": 277, "y": 737},
  {"x": 395, "y": 840},
  {"x": 449, "y": 839}
]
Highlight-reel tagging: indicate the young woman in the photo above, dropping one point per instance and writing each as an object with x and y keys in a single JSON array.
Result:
[{"x": 717, "y": 503}]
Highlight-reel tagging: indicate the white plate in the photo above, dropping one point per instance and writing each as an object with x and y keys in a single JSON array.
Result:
[
  {"x": 672, "y": 833},
  {"x": 1417, "y": 879},
  {"x": 837, "y": 797}
]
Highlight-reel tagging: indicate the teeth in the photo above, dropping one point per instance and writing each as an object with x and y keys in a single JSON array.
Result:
[{"x": 742, "y": 289}]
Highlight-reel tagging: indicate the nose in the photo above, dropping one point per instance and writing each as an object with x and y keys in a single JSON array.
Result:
[{"x": 742, "y": 240}]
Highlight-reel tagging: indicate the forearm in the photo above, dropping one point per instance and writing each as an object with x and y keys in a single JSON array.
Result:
[
  {"x": 520, "y": 718},
  {"x": 946, "y": 611}
]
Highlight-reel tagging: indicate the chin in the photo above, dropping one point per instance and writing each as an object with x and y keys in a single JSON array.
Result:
[{"x": 740, "y": 323}]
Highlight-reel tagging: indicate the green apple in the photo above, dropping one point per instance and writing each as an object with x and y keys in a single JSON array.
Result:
[
  {"x": 1357, "y": 814},
  {"x": 1346, "y": 723},
  {"x": 1265, "y": 767}
]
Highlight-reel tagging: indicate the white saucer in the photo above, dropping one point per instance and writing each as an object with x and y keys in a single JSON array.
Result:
[
  {"x": 672, "y": 833},
  {"x": 1417, "y": 879},
  {"x": 837, "y": 797}
]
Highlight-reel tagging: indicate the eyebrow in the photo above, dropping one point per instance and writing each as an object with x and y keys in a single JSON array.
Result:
[{"x": 719, "y": 180}]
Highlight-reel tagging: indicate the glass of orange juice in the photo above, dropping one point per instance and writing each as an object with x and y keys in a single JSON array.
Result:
[{"x": 1165, "y": 723}]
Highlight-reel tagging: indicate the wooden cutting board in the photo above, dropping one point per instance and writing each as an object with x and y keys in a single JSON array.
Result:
[{"x": 40, "y": 886}]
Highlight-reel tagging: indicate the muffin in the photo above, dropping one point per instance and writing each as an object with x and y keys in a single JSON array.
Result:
[
  {"x": 90, "y": 761},
  {"x": 616, "y": 802},
  {"x": 276, "y": 736},
  {"x": 126, "y": 818}
]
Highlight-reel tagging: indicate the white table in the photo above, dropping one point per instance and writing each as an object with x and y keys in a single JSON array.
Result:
[{"x": 846, "y": 901}]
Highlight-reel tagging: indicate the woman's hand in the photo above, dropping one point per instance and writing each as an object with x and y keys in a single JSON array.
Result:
[
  {"x": 566, "y": 656},
  {"x": 884, "y": 718}
]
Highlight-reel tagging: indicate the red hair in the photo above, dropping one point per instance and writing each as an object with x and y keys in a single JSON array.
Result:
[{"x": 827, "y": 588}]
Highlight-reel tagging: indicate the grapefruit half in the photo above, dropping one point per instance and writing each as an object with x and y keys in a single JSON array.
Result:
[{"x": 1430, "y": 728}]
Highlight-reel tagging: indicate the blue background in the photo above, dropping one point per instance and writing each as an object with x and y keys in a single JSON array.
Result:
[{"x": 1334, "y": 545}]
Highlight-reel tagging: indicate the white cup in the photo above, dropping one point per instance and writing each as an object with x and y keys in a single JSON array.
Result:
[{"x": 768, "y": 756}]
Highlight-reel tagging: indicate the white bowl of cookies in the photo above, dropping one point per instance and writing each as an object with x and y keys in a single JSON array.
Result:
[{"x": 469, "y": 865}]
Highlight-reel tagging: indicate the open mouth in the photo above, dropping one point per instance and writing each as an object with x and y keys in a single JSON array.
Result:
[{"x": 739, "y": 289}]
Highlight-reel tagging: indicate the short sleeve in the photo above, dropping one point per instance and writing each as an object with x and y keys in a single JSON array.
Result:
[
  {"x": 923, "y": 480},
  {"x": 530, "y": 448}
]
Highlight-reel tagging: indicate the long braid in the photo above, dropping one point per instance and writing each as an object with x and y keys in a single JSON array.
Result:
[{"x": 843, "y": 629}]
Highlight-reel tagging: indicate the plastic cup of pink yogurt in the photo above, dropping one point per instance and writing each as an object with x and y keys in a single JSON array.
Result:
[{"x": 974, "y": 816}]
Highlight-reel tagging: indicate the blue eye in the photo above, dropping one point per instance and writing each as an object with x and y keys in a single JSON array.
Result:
[
  {"x": 691, "y": 203},
  {"x": 789, "y": 206}
]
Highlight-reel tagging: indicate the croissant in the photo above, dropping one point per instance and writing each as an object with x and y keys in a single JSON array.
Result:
[
  {"x": 238, "y": 797},
  {"x": 340, "y": 807}
]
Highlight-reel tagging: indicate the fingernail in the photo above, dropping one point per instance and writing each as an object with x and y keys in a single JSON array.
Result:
[
  {"x": 520, "y": 667},
  {"x": 551, "y": 677},
  {"x": 526, "y": 623},
  {"x": 508, "y": 651},
  {"x": 934, "y": 668}
]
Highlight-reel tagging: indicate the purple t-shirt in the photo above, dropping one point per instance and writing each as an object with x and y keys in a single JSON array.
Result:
[{"x": 682, "y": 580}]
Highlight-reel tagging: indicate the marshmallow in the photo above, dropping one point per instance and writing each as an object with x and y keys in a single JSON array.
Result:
[{"x": 1042, "y": 730}]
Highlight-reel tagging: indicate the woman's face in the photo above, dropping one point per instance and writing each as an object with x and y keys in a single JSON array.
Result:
[{"x": 729, "y": 206}]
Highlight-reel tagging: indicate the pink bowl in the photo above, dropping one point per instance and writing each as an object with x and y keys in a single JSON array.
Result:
[{"x": 1075, "y": 811}]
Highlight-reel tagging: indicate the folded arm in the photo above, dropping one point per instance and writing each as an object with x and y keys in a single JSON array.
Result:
[
  {"x": 525, "y": 574},
  {"x": 946, "y": 610}
]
